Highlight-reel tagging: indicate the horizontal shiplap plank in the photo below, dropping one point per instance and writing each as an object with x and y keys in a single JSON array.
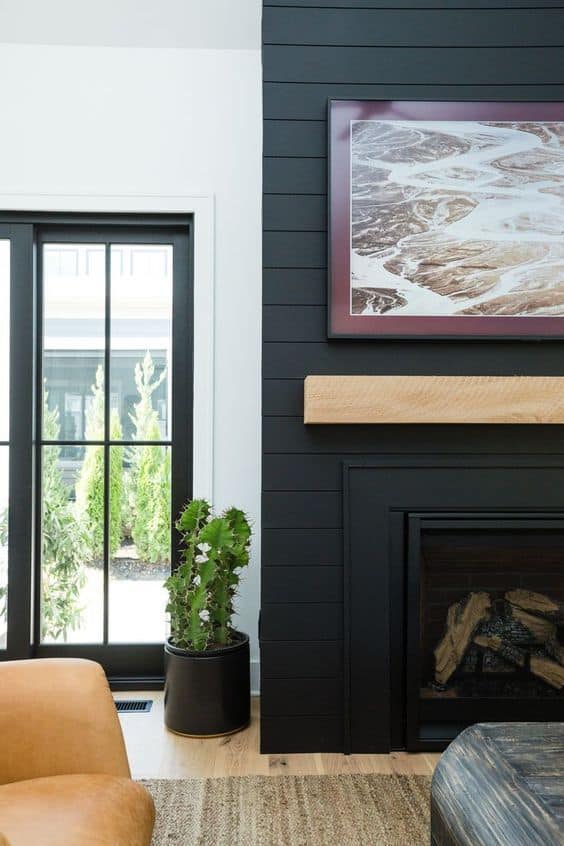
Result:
[
  {"x": 281, "y": 437},
  {"x": 294, "y": 176},
  {"x": 322, "y": 659},
  {"x": 309, "y": 621},
  {"x": 302, "y": 472},
  {"x": 420, "y": 4},
  {"x": 411, "y": 27},
  {"x": 291, "y": 213},
  {"x": 301, "y": 510},
  {"x": 296, "y": 360},
  {"x": 283, "y": 697},
  {"x": 295, "y": 138},
  {"x": 283, "y": 398},
  {"x": 294, "y": 286},
  {"x": 308, "y": 100},
  {"x": 301, "y": 734},
  {"x": 294, "y": 323},
  {"x": 300, "y": 547},
  {"x": 302, "y": 584},
  {"x": 292, "y": 436},
  {"x": 294, "y": 249},
  {"x": 426, "y": 66}
]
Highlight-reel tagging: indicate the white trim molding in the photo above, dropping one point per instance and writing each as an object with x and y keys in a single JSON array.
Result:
[{"x": 202, "y": 207}]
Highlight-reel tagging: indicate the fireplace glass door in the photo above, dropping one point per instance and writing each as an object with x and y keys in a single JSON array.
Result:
[{"x": 485, "y": 622}]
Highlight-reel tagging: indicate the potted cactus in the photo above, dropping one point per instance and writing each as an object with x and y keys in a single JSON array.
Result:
[{"x": 207, "y": 673}]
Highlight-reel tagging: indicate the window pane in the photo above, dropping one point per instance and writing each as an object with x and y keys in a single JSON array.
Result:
[
  {"x": 141, "y": 322},
  {"x": 140, "y": 543},
  {"x": 4, "y": 338},
  {"x": 3, "y": 546},
  {"x": 74, "y": 337},
  {"x": 72, "y": 545}
]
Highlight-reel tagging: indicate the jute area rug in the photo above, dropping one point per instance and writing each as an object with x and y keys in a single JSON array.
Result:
[{"x": 340, "y": 810}]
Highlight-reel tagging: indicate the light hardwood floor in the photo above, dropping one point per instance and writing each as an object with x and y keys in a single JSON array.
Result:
[{"x": 155, "y": 752}]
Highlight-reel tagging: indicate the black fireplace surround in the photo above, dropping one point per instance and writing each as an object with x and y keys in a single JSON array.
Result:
[
  {"x": 470, "y": 50},
  {"x": 421, "y": 538}
]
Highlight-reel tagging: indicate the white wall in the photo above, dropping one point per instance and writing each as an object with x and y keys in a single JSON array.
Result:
[
  {"x": 99, "y": 120},
  {"x": 218, "y": 24}
]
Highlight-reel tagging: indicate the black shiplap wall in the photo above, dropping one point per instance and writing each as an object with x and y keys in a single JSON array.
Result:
[{"x": 385, "y": 49}]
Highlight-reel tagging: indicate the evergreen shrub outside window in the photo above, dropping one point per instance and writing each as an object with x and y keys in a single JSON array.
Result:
[{"x": 140, "y": 504}]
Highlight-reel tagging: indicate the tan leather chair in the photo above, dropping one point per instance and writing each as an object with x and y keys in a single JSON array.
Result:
[{"x": 64, "y": 775}]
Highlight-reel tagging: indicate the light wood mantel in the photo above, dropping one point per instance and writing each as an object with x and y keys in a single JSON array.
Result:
[{"x": 433, "y": 399}]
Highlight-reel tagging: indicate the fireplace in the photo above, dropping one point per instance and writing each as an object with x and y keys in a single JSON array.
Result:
[
  {"x": 485, "y": 611},
  {"x": 454, "y": 598}
]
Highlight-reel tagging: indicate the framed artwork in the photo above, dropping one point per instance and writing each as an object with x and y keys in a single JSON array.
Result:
[{"x": 446, "y": 219}]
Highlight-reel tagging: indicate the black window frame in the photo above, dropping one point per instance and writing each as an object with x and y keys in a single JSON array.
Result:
[{"x": 127, "y": 665}]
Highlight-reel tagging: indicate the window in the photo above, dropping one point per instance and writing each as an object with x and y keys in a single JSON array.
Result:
[{"x": 112, "y": 447}]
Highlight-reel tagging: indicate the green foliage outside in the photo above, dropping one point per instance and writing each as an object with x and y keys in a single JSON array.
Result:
[
  {"x": 90, "y": 483},
  {"x": 202, "y": 590},
  {"x": 65, "y": 547},
  {"x": 148, "y": 487},
  {"x": 151, "y": 524},
  {"x": 73, "y": 533},
  {"x": 3, "y": 544}
]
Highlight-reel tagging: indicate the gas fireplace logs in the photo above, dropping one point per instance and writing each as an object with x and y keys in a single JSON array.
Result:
[
  {"x": 522, "y": 629},
  {"x": 540, "y": 629},
  {"x": 555, "y": 650},
  {"x": 463, "y": 618},
  {"x": 537, "y": 603}
]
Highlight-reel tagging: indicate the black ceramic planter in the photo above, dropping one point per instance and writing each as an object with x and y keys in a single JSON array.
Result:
[{"x": 208, "y": 693}]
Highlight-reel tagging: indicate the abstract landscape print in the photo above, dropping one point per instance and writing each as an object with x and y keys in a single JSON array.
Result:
[{"x": 456, "y": 226}]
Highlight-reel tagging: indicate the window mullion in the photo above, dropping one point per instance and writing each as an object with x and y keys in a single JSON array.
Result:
[
  {"x": 21, "y": 441},
  {"x": 107, "y": 362}
]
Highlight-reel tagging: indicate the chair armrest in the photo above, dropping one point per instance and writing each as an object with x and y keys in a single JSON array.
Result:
[{"x": 58, "y": 717}]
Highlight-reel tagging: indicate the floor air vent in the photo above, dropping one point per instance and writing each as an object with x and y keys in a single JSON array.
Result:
[{"x": 134, "y": 706}]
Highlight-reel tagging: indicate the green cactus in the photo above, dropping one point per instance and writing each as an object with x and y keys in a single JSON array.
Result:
[{"x": 202, "y": 589}]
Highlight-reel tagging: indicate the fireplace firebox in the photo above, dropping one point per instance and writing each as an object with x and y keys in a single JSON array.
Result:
[
  {"x": 454, "y": 598},
  {"x": 485, "y": 618}
]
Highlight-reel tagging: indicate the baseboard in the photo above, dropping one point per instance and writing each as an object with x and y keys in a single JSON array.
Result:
[
  {"x": 136, "y": 683},
  {"x": 255, "y": 677}
]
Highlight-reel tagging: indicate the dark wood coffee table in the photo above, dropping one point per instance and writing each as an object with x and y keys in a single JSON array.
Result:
[{"x": 501, "y": 784}]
